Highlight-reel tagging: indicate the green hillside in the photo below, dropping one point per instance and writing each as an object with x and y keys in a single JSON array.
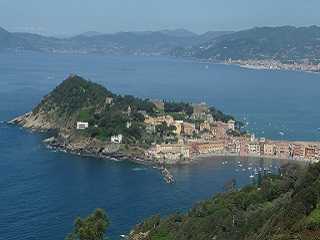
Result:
[
  {"x": 280, "y": 43},
  {"x": 277, "y": 208}
]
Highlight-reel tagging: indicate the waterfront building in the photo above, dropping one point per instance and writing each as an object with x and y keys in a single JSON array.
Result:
[
  {"x": 282, "y": 149},
  {"x": 269, "y": 149},
  {"x": 171, "y": 151},
  {"x": 254, "y": 148},
  {"x": 233, "y": 145},
  {"x": 298, "y": 151},
  {"x": 82, "y": 125},
  {"x": 311, "y": 151},
  {"x": 211, "y": 147}
]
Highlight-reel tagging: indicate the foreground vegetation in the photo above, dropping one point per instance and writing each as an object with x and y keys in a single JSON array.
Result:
[
  {"x": 92, "y": 227},
  {"x": 278, "y": 208}
]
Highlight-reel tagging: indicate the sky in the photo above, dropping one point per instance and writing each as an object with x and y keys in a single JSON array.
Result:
[{"x": 68, "y": 17}]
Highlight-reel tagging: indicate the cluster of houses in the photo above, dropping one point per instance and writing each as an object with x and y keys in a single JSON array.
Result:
[
  {"x": 236, "y": 146},
  {"x": 201, "y": 135},
  {"x": 211, "y": 138}
]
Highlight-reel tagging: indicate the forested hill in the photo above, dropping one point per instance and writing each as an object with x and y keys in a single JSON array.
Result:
[
  {"x": 279, "y": 43},
  {"x": 281, "y": 207},
  {"x": 107, "y": 114}
]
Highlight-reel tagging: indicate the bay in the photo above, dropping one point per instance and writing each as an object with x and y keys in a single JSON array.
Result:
[{"x": 41, "y": 191}]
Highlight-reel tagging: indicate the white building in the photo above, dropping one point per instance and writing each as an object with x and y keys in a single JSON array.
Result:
[
  {"x": 82, "y": 125},
  {"x": 231, "y": 125},
  {"x": 117, "y": 139}
]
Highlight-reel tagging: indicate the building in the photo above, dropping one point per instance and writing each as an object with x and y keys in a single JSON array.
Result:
[
  {"x": 82, "y": 125},
  {"x": 171, "y": 152},
  {"x": 298, "y": 150},
  {"x": 311, "y": 151},
  {"x": 188, "y": 128},
  {"x": 211, "y": 147},
  {"x": 231, "y": 125},
  {"x": 269, "y": 149},
  {"x": 254, "y": 148},
  {"x": 282, "y": 149},
  {"x": 233, "y": 145},
  {"x": 117, "y": 139},
  {"x": 109, "y": 100},
  {"x": 178, "y": 125},
  {"x": 159, "y": 120},
  {"x": 205, "y": 126},
  {"x": 220, "y": 129}
]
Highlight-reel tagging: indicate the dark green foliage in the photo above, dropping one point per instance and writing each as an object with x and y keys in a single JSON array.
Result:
[
  {"x": 281, "y": 207},
  {"x": 220, "y": 116},
  {"x": 173, "y": 107},
  {"x": 74, "y": 94},
  {"x": 92, "y": 227}
]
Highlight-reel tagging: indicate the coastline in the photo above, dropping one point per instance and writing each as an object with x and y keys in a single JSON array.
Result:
[{"x": 270, "y": 65}]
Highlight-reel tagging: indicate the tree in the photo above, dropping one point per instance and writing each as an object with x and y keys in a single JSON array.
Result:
[{"x": 92, "y": 227}]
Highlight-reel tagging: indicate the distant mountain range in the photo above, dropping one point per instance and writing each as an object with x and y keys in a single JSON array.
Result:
[
  {"x": 285, "y": 44},
  {"x": 136, "y": 43}
]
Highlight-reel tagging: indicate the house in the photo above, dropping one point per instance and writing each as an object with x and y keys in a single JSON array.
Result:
[
  {"x": 211, "y": 147},
  {"x": 254, "y": 148},
  {"x": 282, "y": 149},
  {"x": 109, "y": 100},
  {"x": 171, "y": 151},
  {"x": 311, "y": 152},
  {"x": 298, "y": 150},
  {"x": 178, "y": 125},
  {"x": 82, "y": 125},
  {"x": 269, "y": 149},
  {"x": 231, "y": 125},
  {"x": 117, "y": 139},
  {"x": 204, "y": 126},
  {"x": 188, "y": 128}
]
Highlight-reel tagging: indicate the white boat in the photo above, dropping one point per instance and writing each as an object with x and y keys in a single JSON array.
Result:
[
  {"x": 281, "y": 133},
  {"x": 251, "y": 176}
]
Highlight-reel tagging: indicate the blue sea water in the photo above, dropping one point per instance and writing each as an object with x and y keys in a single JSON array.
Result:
[{"x": 41, "y": 191}]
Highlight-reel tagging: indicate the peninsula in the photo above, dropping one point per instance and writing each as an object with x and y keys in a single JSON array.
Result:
[{"x": 85, "y": 118}]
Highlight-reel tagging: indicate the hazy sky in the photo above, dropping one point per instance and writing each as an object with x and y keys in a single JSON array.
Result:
[{"x": 75, "y": 16}]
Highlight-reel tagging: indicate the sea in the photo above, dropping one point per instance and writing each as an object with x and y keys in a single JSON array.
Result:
[{"x": 43, "y": 191}]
